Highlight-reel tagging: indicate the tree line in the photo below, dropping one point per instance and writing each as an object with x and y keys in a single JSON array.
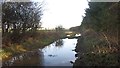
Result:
[
  {"x": 99, "y": 41},
  {"x": 104, "y": 19},
  {"x": 20, "y": 17}
]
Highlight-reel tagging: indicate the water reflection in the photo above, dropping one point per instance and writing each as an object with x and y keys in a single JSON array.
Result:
[
  {"x": 59, "y": 43},
  {"x": 63, "y": 56},
  {"x": 50, "y": 55},
  {"x": 28, "y": 59}
]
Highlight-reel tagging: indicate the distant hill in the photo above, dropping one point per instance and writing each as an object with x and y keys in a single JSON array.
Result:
[{"x": 75, "y": 29}]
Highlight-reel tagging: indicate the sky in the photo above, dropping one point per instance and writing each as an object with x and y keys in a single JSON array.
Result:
[{"x": 67, "y": 13}]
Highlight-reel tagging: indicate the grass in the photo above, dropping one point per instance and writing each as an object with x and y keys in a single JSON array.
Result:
[
  {"x": 39, "y": 40},
  {"x": 94, "y": 51}
]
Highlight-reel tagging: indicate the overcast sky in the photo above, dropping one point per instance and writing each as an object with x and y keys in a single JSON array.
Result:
[{"x": 67, "y": 13}]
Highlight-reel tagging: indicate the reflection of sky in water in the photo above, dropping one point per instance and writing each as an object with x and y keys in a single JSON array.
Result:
[
  {"x": 51, "y": 55},
  {"x": 60, "y": 56}
]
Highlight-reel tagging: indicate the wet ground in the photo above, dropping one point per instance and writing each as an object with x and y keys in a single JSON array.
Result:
[{"x": 59, "y": 53}]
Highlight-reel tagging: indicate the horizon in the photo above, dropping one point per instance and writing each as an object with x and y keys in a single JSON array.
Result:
[{"x": 68, "y": 13}]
